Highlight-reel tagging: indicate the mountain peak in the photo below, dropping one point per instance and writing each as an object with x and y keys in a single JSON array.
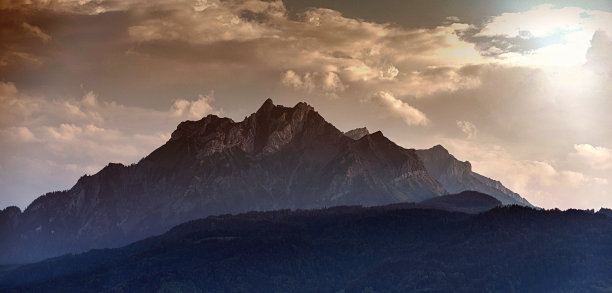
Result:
[
  {"x": 303, "y": 107},
  {"x": 439, "y": 149},
  {"x": 267, "y": 106},
  {"x": 266, "y": 131},
  {"x": 377, "y": 134},
  {"x": 357, "y": 133}
]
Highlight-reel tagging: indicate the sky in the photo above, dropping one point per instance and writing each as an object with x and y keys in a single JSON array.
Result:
[{"x": 521, "y": 89}]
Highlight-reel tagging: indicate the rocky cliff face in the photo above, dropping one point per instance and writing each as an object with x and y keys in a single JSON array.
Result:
[
  {"x": 278, "y": 157},
  {"x": 457, "y": 176}
]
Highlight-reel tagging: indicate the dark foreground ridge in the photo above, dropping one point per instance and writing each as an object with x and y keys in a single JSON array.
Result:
[
  {"x": 396, "y": 248},
  {"x": 276, "y": 158}
]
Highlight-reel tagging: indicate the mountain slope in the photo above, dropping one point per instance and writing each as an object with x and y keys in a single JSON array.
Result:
[
  {"x": 350, "y": 249},
  {"x": 457, "y": 176},
  {"x": 278, "y": 157}
]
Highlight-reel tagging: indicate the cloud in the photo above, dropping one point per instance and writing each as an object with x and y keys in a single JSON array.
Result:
[
  {"x": 91, "y": 7},
  {"x": 599, "y": 55},
  {"x": 196, "y": 109},
  {"x": 18, "y": 134},
  {"x": 334, "y": 55},
  {"x": 319, "y": 50},
  {"x": 397, "y": 107},
  {"x": 388, "y": 72},
  {"x": 596, "y": 157},
  {"x": 541, "y": 36},
  {"x": 468, "y": 128},
  {"x": 539, "y": 21},
  {"x": 541, "y": 182},
  {"x": 435, "y": 79},
  {"x": 8, "y": 57},
  {"x": 52, "y": 142},
  {"x": 36, "y": 31},
  {"x": 206, "y": 22},
  {"x": 328, "y": 83},
  {"x": 7, "y": 90},
  {"x": 292, "y": 79}
]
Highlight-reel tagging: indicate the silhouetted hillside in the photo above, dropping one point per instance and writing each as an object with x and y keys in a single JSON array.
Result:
[
  {"x": 395, "y": 248},
  {"x": 471, "y": 202}
]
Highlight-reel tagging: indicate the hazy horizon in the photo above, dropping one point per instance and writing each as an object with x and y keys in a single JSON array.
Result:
[{"x": 521, "y": 89}]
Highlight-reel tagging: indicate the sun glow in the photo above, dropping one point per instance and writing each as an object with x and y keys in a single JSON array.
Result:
[{"x": 563, "y": 36}]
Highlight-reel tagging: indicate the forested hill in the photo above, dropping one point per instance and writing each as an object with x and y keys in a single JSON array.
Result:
[{"x": 348, "y": 249}]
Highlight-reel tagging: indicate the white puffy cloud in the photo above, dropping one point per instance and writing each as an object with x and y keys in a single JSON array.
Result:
[
  {"x": 388, "y": 72},
  {"x": 597, "y": 157},
  {"x": 328, "y": 83},
  {"x": 196, "y": 109},
  {"x": 292, "y": 79},
  {"x": 468, "y": 128},
  {"x": 399, "y": 108},
  {"x": 331, "y": 83}
]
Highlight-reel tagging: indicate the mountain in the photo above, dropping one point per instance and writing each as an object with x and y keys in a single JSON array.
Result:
[
  {"x": 347, "y": 249},
  {"x": 277, "y": 158},
  {"x": 457, "y": 176}
]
